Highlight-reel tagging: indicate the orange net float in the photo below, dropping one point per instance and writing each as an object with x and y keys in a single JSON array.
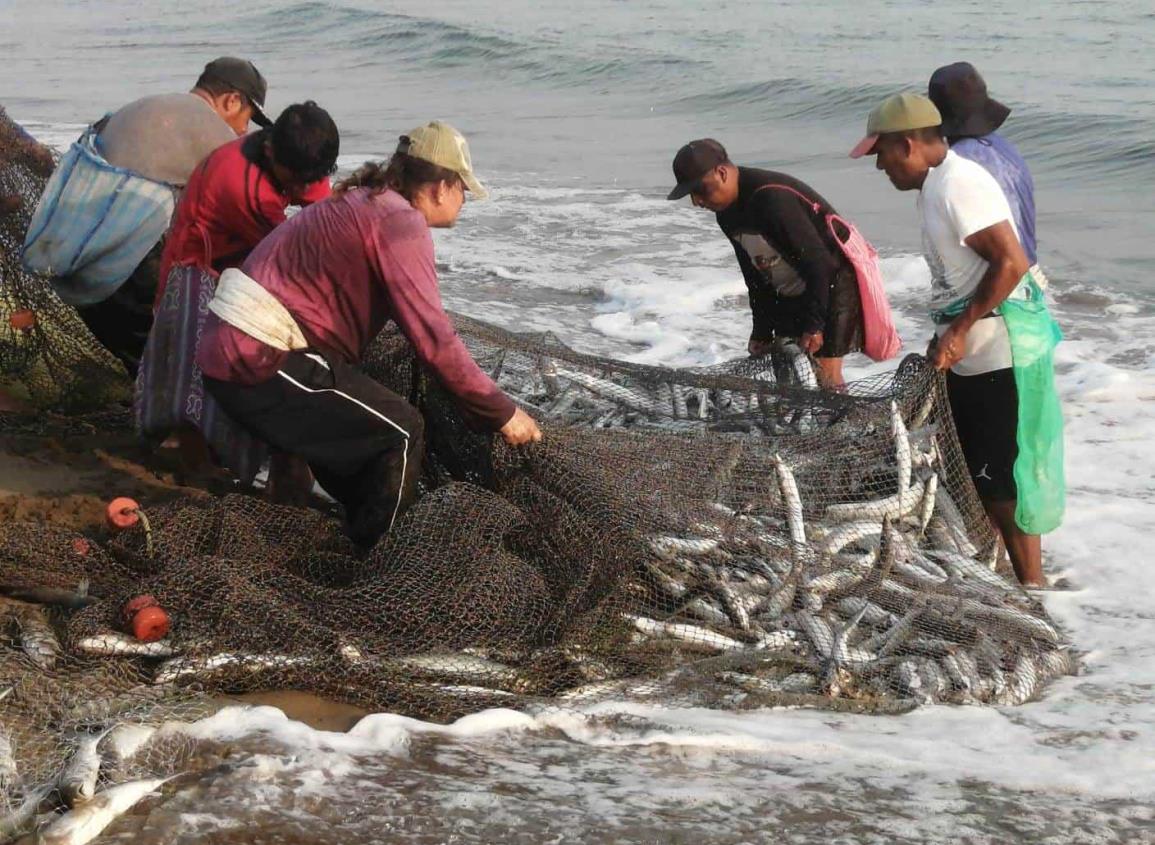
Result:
[
  {"x": 123, "y": 513},
  {"x": 146, "y": 619},
  {"x": 22, "y": 320}
]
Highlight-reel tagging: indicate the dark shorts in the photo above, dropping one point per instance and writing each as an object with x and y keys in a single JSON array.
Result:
[
  {"x": 986, "y": 414},
  {"x": 122, "y": 322},
  {"x": 843, "y": 331}
]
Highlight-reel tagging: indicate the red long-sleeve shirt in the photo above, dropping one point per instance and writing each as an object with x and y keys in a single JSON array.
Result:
[
  {"x": 343, "y": 268},
  {"x": 230, "y": 204}
]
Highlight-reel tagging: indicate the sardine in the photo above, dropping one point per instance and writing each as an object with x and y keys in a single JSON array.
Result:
[
  {"x": 113, "y": 643},
  {"x": 1021, "y": 684},
  {"x": 926, "y": 509},
  {"x": 959, "y": 673},
  {"x": 9, "y": 775},
  {"x": 549, "y": 379},
  {"x": 887, "y": 642},
  {"x": 668, "y": 548},
  {"x": 850, "y": 532},
  {"x": 592, "y": 691},
  {"x": 77, "y": 783},
  {"x": 37, "y": 638},
  {"x": 776, "y": 641},
  {"x": 798, "y": 682},
  {"x": 687, "y": 633},
  {"x": 706, "y": 610},
  {"x": 909, "y": 682},
  {"x": 185, "y": 667},
  {"x": 1055, "y": 664},
  {"x": 971, "y": 570},
  {"x": 467, "y": 691},
  {"x": 87, "y": 822},
  {"x": 781, "y": 599},
  {"x": 817, "y": 630},
  {"x": 873, "y": 614},
  {"x": 800, "y": 362},
  {"x": 837, "y": 581},
  {"x": 902, "y": 453},
  {"x": 895, "y": 506},
  {"x": 667, "y": 584},
  {"x": 934, "y": 679},
  {"x": 946, "y": 508},
  {"x": 612, "y": 391},
  {"x": 1008, "y": 617},
  {"x": 923, "y": 413},
  {"x": 736, "y": 607},
  {"x": 71, "y": 599},
  {"x": 793, "y": 504},
  {"x": 703, "y": 403}
]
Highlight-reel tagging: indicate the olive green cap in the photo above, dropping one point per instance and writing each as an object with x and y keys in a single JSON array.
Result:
[
  {"x": 439, "y": 143},
  {"x": 897, "y": 113}
]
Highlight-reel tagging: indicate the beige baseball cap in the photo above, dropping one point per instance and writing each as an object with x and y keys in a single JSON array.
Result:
[
  {"x": 439, "y": 143},
  {"x": 897, "y": 113}
]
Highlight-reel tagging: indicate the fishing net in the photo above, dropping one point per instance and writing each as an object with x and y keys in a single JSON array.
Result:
[
  {"x": 48, "y": 358},
  {"x": 726, "y": 536}
]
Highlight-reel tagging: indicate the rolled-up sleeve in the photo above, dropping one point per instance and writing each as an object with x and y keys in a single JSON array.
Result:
[{"x": 403, "y": 252}]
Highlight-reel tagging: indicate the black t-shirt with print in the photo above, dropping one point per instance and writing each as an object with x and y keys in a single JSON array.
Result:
[{"x": 788, "y": 256}]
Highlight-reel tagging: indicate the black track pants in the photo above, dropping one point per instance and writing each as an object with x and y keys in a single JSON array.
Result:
[{"x": 363, "y": 442}]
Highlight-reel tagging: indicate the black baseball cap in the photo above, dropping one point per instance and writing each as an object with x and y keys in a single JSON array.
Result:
[
  {"x": 961, "y": 96},
  {"x": 243, "y": 77},
  {"x": 694, "y": 161}
]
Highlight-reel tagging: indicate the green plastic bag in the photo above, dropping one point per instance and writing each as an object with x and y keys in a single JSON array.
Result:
[{"x": 1039, "y": 477}]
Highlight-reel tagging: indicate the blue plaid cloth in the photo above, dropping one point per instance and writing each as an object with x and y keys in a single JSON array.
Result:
[{"x": 94, "y": 224}]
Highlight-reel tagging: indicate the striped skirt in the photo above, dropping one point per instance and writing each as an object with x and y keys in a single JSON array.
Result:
[{"x": 170, "y": 392}]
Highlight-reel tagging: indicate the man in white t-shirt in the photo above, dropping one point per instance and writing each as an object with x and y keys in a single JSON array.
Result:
[{"x": 976, "y": 262}]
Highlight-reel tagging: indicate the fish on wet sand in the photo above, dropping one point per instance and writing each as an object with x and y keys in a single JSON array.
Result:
[{"x": 83, "y": 824}]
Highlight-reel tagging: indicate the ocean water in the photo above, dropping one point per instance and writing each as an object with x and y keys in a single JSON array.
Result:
[{"x": 574, "y": 112}]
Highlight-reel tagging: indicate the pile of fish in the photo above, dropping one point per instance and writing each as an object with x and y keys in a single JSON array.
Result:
[
  {"x": 872, "y": 600},
  {"x": 90, "y": 792},
  {"x": 876, "y": 599},
  {"x": 557, "y": 391}
]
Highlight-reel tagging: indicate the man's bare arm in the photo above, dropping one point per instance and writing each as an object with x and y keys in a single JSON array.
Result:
[{"x": 1006, "y": 265}]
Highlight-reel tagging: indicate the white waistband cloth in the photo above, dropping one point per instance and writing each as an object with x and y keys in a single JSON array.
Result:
[{"x": 243, "y": 303}]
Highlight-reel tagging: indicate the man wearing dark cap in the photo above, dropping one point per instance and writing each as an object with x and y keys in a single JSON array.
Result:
[
  {"x": 160, "y": 140},
  {"x": 970, "y": 118},
  {"x": 802, "y": 288},
  {"x": 981, "y": 285}
]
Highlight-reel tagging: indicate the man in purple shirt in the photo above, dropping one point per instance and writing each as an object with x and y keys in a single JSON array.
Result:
[
  {"x": 287, "y": 329},
  {"x": 969, "y": 120}
]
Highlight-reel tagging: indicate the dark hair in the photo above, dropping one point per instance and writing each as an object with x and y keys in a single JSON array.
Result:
[
  {"x": 305, "y": 140},
  {"x": 403, "y": 173}
]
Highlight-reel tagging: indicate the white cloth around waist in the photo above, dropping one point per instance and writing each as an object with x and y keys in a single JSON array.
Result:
[{"x": 242, "y": 303}]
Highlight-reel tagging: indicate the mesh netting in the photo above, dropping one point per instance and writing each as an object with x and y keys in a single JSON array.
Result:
[
  {"x": 48, "y": 358},
  {"x": 726, "y": 537}
]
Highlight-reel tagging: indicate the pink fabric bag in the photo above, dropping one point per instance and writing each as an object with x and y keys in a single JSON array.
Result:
[{"x": 880, "y": 338}]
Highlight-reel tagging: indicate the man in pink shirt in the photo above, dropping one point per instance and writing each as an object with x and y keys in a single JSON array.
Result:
[{"x": 286, "y": 331}]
